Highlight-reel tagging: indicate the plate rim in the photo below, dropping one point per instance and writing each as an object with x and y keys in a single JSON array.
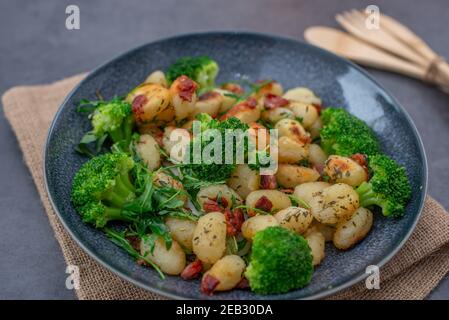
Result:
[{"x": 319, "y": 295}]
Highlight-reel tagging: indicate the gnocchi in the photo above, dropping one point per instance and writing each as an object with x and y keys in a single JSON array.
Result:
[
  {"x": 307, "y": 113},
  {"x": 345, "y": 170},
  {"x": 148, "y": 101},
  {"x": 276, "y": 114},
  {"x": 292, "y": 129},
  {"x": 228, "y": 271},
  {"x": 294, "y": 218},
  {"x": 334, "y": 204},
  {"x": 209, "y": 237},
  {"x": 316, "y": 155},
  {"x": 257, "y": 223},
  {"x": 246, "y": 111},
  {"x": 228, "y": 101},
  {"x": 182, "y": 231},
  {"x": 244, "y": 180},
  {"x": 316, "y": 242},
  {"x": 176, "y": 140},
  {"x": 303, "y": 95},
  {"x": 306, "y": 191},
  {"x": 218, "y": 192},
  {"x": 209, "y": 102},
  {"x": 157, "y": 77},
  {"x": 348, "y": 233},
  {"x": 171, "y": 261},
  {"x": 267, "y": 200},
  {"x": 292, "y": 151},
  {"x": 289, "y": 175},
  {"x": 148, "y": 150},
  {"x": 183, "y": 97}
]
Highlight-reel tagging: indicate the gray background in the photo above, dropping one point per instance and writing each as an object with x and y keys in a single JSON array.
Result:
[{"x": 35, "y": 47}]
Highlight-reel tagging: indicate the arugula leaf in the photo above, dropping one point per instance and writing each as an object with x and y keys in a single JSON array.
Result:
[
  {"x": 143, "y": 203},
  {"x": 82, "y": 147},
  {"x": 180, "y": 213},
  {"x": 297, "y": 202},
  {"x": 247, "y": 208},
  {"x": 119, "y": 239}
]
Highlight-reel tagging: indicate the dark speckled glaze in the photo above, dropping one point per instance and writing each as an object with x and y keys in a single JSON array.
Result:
[{"x": 292, "y": 63}]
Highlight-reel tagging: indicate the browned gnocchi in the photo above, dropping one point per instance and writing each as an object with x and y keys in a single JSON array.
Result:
[
  {"x": 294, "y": 218},
  {"x": 290, "y": 175},
  {"x": 334, "y": 204}
]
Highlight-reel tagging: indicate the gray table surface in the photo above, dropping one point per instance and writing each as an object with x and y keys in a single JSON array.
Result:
[{"x": 35, "y": 47}]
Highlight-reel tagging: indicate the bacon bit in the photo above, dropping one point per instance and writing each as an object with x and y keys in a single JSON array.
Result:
[
  {"x": 158, "y": 136},
  {"x": 264, "y": 204},
  {"x": 272, "y": 101},
  {"x": 319, "y": 167},
  {"x": 223, "y": 201},
  {"x": 233, "y": 87},
  {"x": 268, "y": 182},
  {"x": 317, "y": 107},
  {"x": 211, "y": 206},
  {"x": 192, "y": 270},
  {"x": 243, "y": 284},
  {"x": 137, "y": 106},
  {"x": 288, "y": 191},
  {"x": 134, "y": 241},
  {"x": 250, "y": 103},
  {"x": 303, "y": 138},
  {"x": 208, "y": 95},
  {"x": 186, "y": 87},
  {"x": 361, "y": 159},
  {"x": 306, "y": 139},
  {"x": 234, "y": 220},
  {"x": 208, "y": 284}
]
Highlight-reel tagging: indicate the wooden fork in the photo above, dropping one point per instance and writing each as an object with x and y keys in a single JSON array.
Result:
[
  {"x": 354, "y": 22},
  {"x": 395, "y": 38}
]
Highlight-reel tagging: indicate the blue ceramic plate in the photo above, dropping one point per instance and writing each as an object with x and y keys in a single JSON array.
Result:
[{"x": 292, "y": 63}]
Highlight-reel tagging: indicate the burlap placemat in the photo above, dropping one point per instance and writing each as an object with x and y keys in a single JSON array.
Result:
[{"x": 411, "y": 274}]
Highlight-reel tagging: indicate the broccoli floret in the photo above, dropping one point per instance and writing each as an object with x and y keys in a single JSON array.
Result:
[
  {"x": 345, "y": 134},
  {"x": 388, "y": 187},
  {"x": 203, "y": 70},
  {"x": 98, "y": 214},
  {"x": 113, "y": 118},
  {"x": 101, "y": 188},
  {"x": 281, "y": 260},
  {"x": 110, "y": 119},
  {"x": 213, "y": 172}
]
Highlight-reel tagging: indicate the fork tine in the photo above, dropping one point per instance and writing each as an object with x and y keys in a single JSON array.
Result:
[
  {"x": 346, "y": 24},
  {"x": 358, "y": 14},
  {"x": 353, "y": 21},
  {"x": 357, "y": 18}
]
